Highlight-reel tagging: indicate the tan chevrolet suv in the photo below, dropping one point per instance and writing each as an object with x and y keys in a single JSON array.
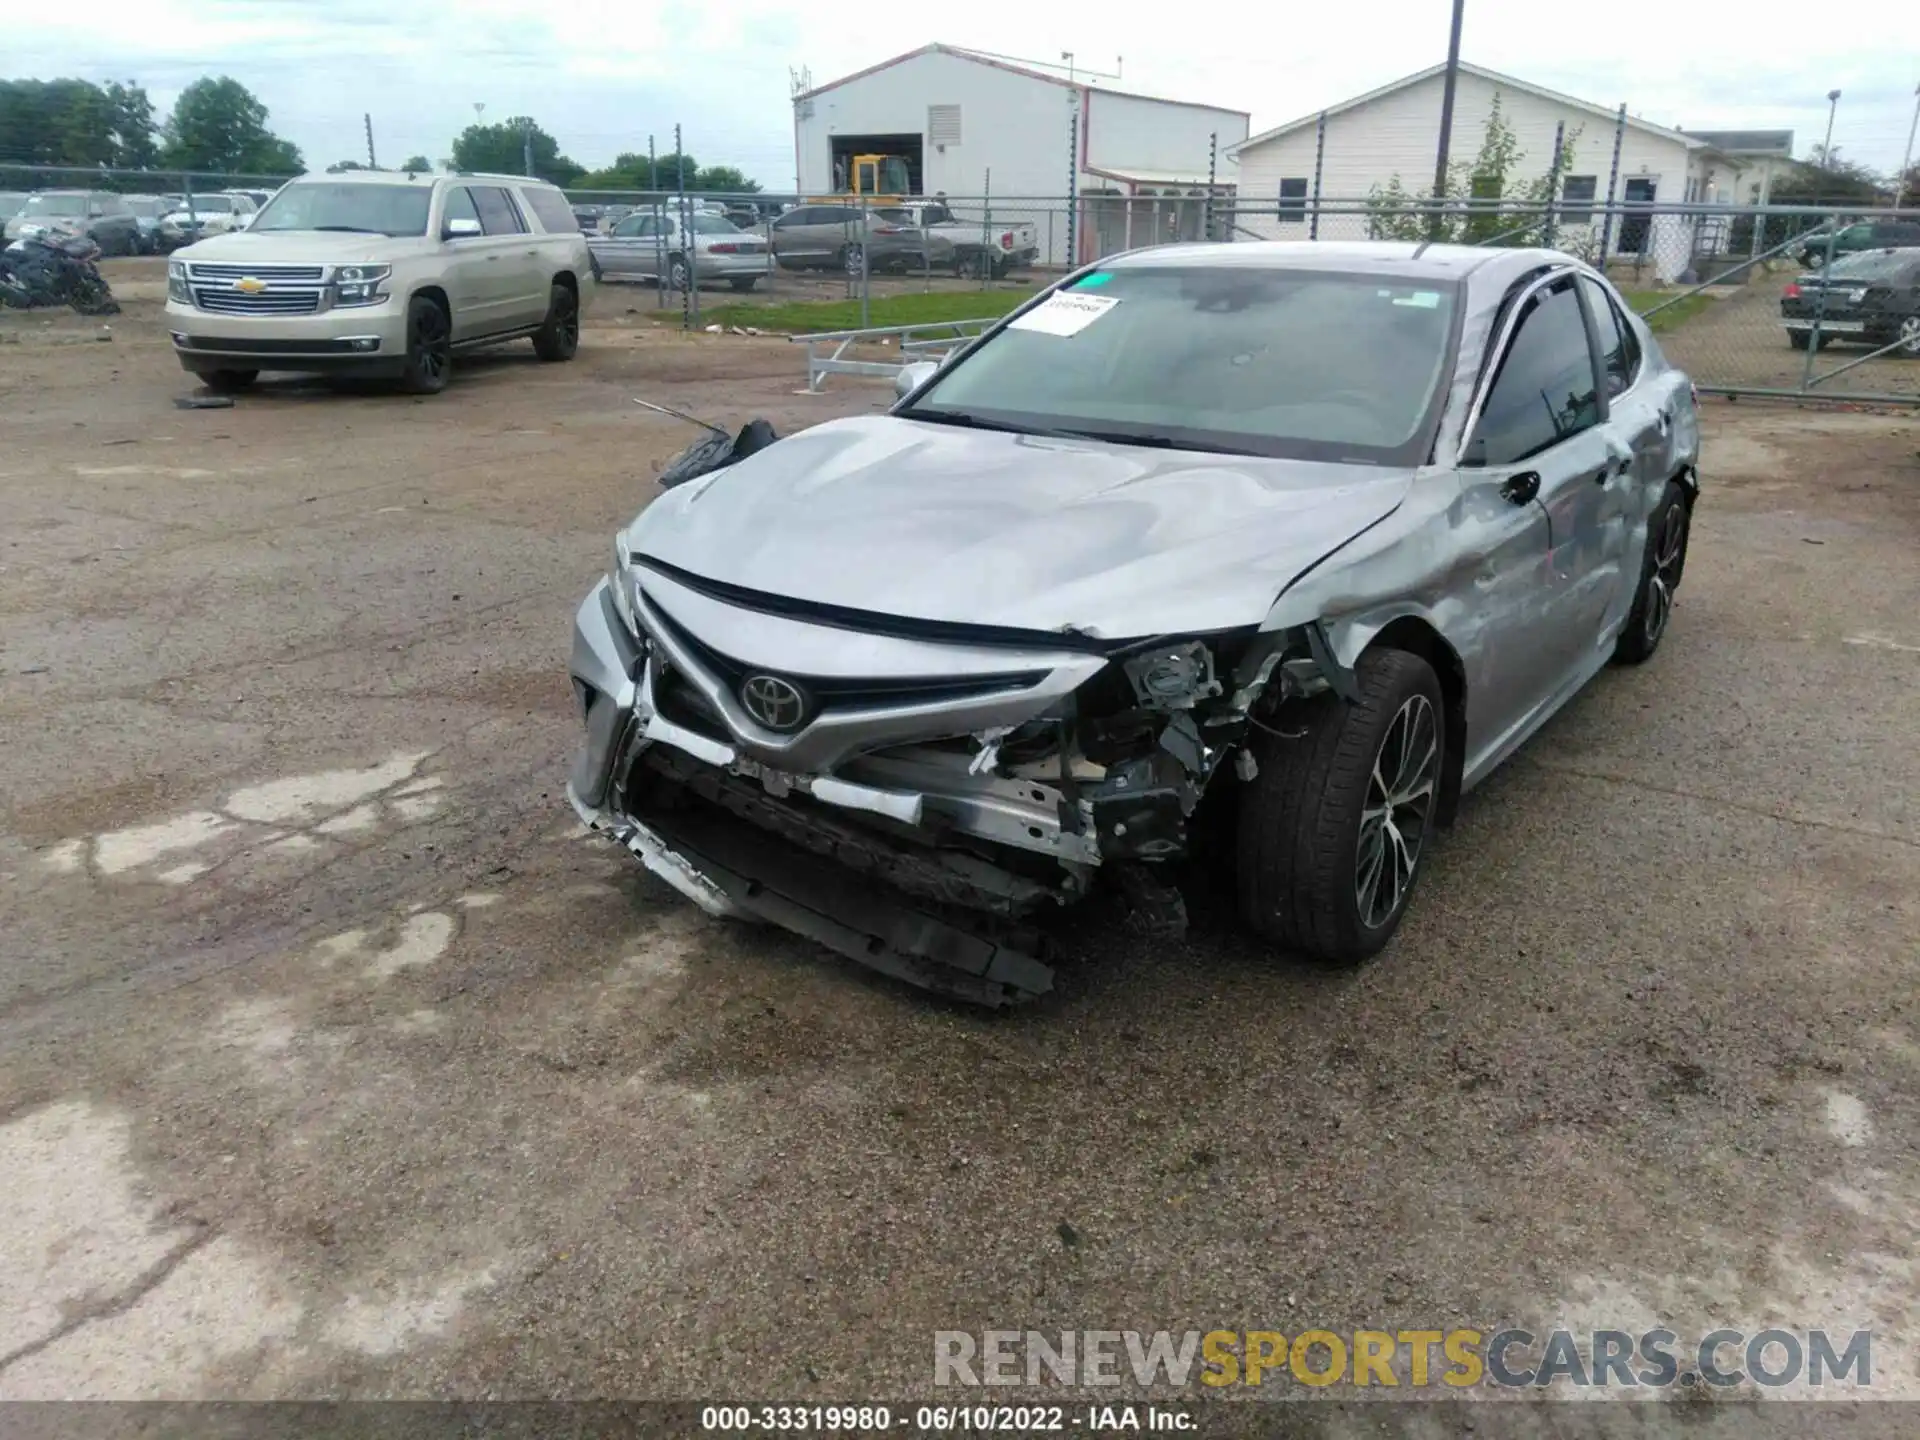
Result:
[{"x": 382, "y": 274}]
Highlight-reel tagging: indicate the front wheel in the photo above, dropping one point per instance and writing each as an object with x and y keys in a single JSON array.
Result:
[
  {"x": 853, "y": 259},
  {"x": 679, "y": 274},
  {"x": 559, "y": 337},
  {"x": 1660, "y": 571},
  {"x": 1336, "y": 822},
  {"x": 429, "y": 360},
  {"x": 1910, "y": 335}
]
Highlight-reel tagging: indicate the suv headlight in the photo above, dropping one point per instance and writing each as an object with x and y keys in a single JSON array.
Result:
[
  {"x": 360, "y": 284},
  {"x": 177, "y": 282}
]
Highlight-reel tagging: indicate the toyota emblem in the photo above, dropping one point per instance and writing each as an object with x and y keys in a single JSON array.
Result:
[{"x": 775, "y": 703}]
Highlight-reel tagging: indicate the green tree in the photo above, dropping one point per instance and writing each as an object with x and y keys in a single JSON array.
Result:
[
  {"x": 418, "y": 164},
  {"x": 340, "y": 167},
  {"x": 131, "y": 115},
  {"x": 630, "y": 171},
  {"x": 1476, "y": 186},
  {"x": 501, "y": 150},
  {"x": 727, "y": 180},
  {"x": 217, "y": 125}
]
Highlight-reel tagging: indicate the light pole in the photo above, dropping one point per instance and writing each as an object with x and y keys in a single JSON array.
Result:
[
  {"x": 1446, "y": 116},
  {"x": 1906, "y": 161},
  {"x": 1826, "y": 149}
]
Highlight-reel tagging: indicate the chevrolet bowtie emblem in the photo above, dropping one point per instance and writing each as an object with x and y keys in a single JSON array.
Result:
[{"x": 250, "y": 285}]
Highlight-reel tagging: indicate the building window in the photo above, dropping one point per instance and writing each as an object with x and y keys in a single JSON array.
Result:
[
  {"x": 1574, "y": 190},
  {"x": 1293, "y": 199}
]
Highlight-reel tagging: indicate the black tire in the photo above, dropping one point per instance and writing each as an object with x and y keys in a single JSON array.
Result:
[
  {"x": 429, "y": 348},
  {"x": 229, "y": 382},
  {"x": 1661, "y": 566},
  {"x": 1301, "y": 870},
  {"x": 744, "y": 284},
  {"x": 851, "y": 259},
  {"x": 1908, "y": 336},
  {"x": 559, "y": 337},
  {"x": 1799, "y": 339},
  {"x": 679, "y": 276}
]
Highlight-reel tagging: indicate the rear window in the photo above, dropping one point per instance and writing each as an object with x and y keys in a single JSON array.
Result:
[
  {"x": 1886, "y": 265},
  {"x": 556, "y": 216}
]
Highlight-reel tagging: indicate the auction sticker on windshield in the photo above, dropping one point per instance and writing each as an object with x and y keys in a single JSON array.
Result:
[{"x": 1064, "y": 314}]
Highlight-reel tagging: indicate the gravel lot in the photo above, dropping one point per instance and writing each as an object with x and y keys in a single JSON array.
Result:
[{"x": 334, "y": 1061}]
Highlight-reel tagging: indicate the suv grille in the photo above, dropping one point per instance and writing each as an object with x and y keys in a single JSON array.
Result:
[
  {"x": 226, "y": 301},
  {"x": 273, "y": 274}
]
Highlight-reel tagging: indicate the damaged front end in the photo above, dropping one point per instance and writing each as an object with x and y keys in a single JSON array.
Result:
[{"x": 913, "y": 796}]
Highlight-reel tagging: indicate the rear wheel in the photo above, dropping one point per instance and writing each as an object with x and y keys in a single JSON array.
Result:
[
  {"x": 229, "y": 382},
  {"x": 559, "y": 337},
  {"x": 1334, "y": 826},
  {"x": 429, "y": 348},
  {"x": 744, "y": 283},
  {"x": 1910, "y": 335},
  {"x": 1660, "y": 571},
  {"x": 853, "y": 259},
  {"x": 679, "y": 275}
]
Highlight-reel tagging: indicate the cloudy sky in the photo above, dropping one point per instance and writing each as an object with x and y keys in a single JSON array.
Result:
[{"x": 602, "y": 75}]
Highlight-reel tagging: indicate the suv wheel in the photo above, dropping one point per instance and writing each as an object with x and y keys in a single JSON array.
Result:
[
  {"x": 429, "y": 348},
  {"x": 559, "y": 337},
  {"x": 1336, "y": 822}
]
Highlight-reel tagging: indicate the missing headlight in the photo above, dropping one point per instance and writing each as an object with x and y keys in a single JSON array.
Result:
[{"x": 1176, "y": 678}]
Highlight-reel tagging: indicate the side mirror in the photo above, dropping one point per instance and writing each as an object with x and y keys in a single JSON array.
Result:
[
  {"x": 912, "y": 377},
  {"x": 460, "y": 229}
]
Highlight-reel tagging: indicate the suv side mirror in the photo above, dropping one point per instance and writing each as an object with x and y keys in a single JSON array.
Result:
[{"x": 457, "y": 229}]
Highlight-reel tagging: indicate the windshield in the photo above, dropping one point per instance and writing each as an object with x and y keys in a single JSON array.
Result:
[
  {"x": 205, "y": 203},
  {"x": 1290, "y": 363},
  {"x": 147, "y": 209},
  {"x": 56, "y": 205},
  {"x": 371, "y": 209},
  {"x": 714, "y": 225}
]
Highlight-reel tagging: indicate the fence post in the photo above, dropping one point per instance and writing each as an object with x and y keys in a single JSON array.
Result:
[
  {"x": 1820, "y": 304},
  {"x": 1319, "y": 156},
  {"x": 685, "y": 227},
  {"x": 1073, "y": 175},
  {"x": 1213, "y": 162},
  {"x": 1613, "y": 181},
  {"x": 986, "y": 228},
  {"x": 1553, "y": 181}
]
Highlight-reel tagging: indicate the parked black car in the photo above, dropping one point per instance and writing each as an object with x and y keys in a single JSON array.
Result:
[
  {"x": 1855, "y": 239},
  {"x": 1872, "y": 299}
]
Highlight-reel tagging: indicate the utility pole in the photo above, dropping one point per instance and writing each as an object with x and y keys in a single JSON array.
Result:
[
  {"x": 526, "y": 146},
  {"x": 372, "y": 164},
  {"x": 1906, "y": 160},
  {"x": 1826, "y": 148},
  {"x": 1446, "y": 108}
]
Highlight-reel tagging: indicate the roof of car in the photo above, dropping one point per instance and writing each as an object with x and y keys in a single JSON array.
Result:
[{"x": 413, "y": 177}]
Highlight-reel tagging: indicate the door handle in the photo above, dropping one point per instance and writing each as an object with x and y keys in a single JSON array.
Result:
[{"x": 1520, "y": 489}]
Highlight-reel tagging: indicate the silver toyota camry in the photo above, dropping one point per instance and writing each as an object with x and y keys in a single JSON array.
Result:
[{"x": 1255, "y": 554}]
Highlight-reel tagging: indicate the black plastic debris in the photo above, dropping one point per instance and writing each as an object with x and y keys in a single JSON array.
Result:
[
  {"x": 713, "y": 451},
  {"x": 204, "y": 402},
  {"x": 39, "y": 273}
]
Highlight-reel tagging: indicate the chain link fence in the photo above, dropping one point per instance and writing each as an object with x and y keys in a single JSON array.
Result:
[{"x": 1806, "y": 301}]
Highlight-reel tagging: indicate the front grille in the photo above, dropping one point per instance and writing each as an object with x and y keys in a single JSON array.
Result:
[
  {"x": 272, "y": 274},
  {"x": 263, "y": 302},
  {"x": 844, "y": 693}
]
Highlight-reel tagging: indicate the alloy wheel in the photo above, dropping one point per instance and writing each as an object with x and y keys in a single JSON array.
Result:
[
  {"x": 855, "y": 259},
  {"x": 1910, "y": 335},
  {"x": 1399, "y": 805},
  {"x": 569, "y": 318},
  {"x": 1666, "y": 571},
  {"x": 430, "y": 341}
]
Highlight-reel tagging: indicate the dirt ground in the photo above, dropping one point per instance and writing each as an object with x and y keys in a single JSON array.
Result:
[{"x": 334, "y": 1060}]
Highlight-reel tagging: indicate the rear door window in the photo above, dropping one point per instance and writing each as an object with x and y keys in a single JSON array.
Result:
[
  {"x": 498, "y": 214},
  {"x": 556, "y": 216},
  {"x": 459, "y": 206}
]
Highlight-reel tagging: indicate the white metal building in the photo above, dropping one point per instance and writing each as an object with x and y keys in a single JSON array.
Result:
[
  {"x": 971, "y": 124},
  {"x": 1344, "y": 152}
]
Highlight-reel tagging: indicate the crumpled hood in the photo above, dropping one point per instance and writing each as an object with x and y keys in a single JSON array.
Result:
[{"x": 933, "y": 522}]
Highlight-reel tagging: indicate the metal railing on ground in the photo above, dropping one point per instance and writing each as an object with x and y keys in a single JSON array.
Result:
[{"x": 827, "y": 349}]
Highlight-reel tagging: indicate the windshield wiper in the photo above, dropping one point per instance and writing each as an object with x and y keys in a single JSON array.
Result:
[
  {"x": 347, "y": 229},
  {"x": 1152, "y": 440},
  {"x": 981, "y": 422}
]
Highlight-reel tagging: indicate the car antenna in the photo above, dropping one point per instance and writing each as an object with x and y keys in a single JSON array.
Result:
[{"x": 681, "y": 415}]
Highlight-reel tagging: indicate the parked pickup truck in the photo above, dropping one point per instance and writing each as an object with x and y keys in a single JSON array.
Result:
[{"x": 979, "y": 248}]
